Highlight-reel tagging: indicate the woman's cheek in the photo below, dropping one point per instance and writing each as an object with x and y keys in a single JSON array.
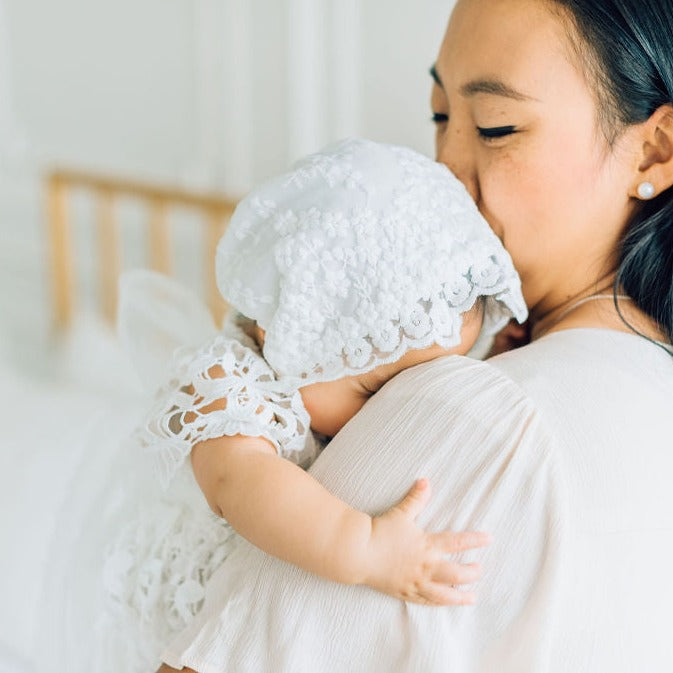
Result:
[
  {"x": 500, "y": 196},
  {"x": 514, "y": 201}
]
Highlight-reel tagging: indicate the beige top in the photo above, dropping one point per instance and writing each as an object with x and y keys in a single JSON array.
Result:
[{"x": 562, "y": 449}]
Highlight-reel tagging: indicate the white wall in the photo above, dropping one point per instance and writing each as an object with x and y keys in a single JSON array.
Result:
[
  {"x": 147, "y": 86},
  {"x": 216, "y": 94}
]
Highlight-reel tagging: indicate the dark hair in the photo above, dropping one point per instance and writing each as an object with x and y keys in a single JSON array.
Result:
[{"x": 626, "y": 50}]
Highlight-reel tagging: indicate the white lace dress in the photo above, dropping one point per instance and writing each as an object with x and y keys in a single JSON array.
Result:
[{"x": 132, "y": 570}]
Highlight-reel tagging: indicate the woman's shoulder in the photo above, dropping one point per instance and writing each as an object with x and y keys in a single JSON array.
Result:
[
  {"x": 459, "y": 391},
  {"x": 585, "y": 361},
  {"x": 590, "y": 382},
  {"x": 588, "y": 375}
]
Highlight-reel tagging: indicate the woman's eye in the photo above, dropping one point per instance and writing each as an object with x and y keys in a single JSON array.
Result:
[
  {"x": 439, "y": 118},
  {"x": 496, "y": 132}
]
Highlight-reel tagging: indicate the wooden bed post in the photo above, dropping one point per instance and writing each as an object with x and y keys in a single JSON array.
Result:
[
  {"x": 109, "y": 253},
  {"x": 61, "y": 253},
  {"x": 216, "y": 209},
  {"x": 217, "y": 222},
  {"x": 159, "y": 239}
]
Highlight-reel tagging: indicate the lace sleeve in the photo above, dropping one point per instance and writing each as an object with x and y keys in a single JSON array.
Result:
[{"x": 224, "y": 388}]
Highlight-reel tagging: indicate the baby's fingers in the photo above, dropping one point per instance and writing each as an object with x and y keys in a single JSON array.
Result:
[
  {"x": 455, "y": 573},
  {"x": 452, "y": 543},
  {"x": 433, "y": 593},
  {"x": 416, "y": 499}
]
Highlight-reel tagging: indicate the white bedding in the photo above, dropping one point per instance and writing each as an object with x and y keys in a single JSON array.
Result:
[{"x": 50, "y": 407}]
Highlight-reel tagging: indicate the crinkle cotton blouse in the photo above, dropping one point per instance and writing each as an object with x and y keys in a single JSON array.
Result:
[{"x": 562, "y": 449}]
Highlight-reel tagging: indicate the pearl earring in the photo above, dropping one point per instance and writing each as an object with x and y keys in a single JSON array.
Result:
[{"x": 646, "y": 190}]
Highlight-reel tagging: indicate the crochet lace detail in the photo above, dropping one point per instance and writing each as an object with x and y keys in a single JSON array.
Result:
[
  {"x": 224, "y": 387},
  {"x": 155, "y": 573},
  {"x": 167, "y": 542}
]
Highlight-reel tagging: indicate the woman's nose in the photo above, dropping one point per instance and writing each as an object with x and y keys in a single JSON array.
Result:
[{"x": 454, "y": 151}]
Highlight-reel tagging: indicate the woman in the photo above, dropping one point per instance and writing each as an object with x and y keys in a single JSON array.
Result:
[{"x": 557, "y": 116}]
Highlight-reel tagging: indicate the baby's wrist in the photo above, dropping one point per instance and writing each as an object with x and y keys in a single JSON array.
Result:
[{"x": 351, "y": 552}]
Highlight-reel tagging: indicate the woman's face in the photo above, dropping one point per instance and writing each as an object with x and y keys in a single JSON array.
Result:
[{"x": 517, "y": 123}]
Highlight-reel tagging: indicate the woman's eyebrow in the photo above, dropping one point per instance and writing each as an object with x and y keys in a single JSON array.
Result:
[
  {"x": 493, "y": 87},
  {"x": 435, "y": 76}
]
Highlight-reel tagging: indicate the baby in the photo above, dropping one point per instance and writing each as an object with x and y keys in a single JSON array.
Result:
[{"x": 362, "y": 261}]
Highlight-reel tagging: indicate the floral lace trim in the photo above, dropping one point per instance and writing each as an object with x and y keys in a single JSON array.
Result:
[
  {"x": 224, "y": 388},
  {"x": 359, "y": 254}
]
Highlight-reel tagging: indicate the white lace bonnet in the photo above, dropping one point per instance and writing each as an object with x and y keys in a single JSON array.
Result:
[{"x": 360, "y": 253}]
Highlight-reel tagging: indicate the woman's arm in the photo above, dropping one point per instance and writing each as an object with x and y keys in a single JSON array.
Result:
[{"x": 284, "y": 511}]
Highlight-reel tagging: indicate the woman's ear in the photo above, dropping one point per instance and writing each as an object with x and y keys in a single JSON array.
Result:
[{"x": 656, "y": 154}]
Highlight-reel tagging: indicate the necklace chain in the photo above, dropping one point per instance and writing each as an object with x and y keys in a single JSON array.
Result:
[{"x": 579, "y": 303}]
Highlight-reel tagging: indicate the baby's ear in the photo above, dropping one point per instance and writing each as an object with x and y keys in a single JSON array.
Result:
[
  {"x": 259, "y": 335},
  {"x": 472, "y": 324}
]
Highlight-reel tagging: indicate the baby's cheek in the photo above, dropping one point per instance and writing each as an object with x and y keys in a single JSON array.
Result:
[
  {"x": 308, "y": 399},
  {"x": 315, "y": 404},
  {"x": 331, "y": 405}
]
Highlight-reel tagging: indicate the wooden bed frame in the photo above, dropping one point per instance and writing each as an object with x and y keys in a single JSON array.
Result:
[{"x": 60, "y": 183}]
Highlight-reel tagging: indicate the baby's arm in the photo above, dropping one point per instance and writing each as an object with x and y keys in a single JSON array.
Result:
[
  {"x": 275, "y": 504},
  {"x": 281, "y": 509}
]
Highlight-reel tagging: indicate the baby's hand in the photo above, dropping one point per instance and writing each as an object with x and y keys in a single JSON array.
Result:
[{"x": 407, "y": 562}]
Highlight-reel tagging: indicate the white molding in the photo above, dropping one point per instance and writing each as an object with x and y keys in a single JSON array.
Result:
[
  {"x": 346, "y": 67},
  {"x": 6, "y": 113},
  {"x": 13, "y": 144},
  {"x": 206, "y": 60},
  {"x": 223, "y": 81},
  {"x": 237, "y": 87},
  {"x": 307, "y": 88},
  {"x": 322, "y": 45}
]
